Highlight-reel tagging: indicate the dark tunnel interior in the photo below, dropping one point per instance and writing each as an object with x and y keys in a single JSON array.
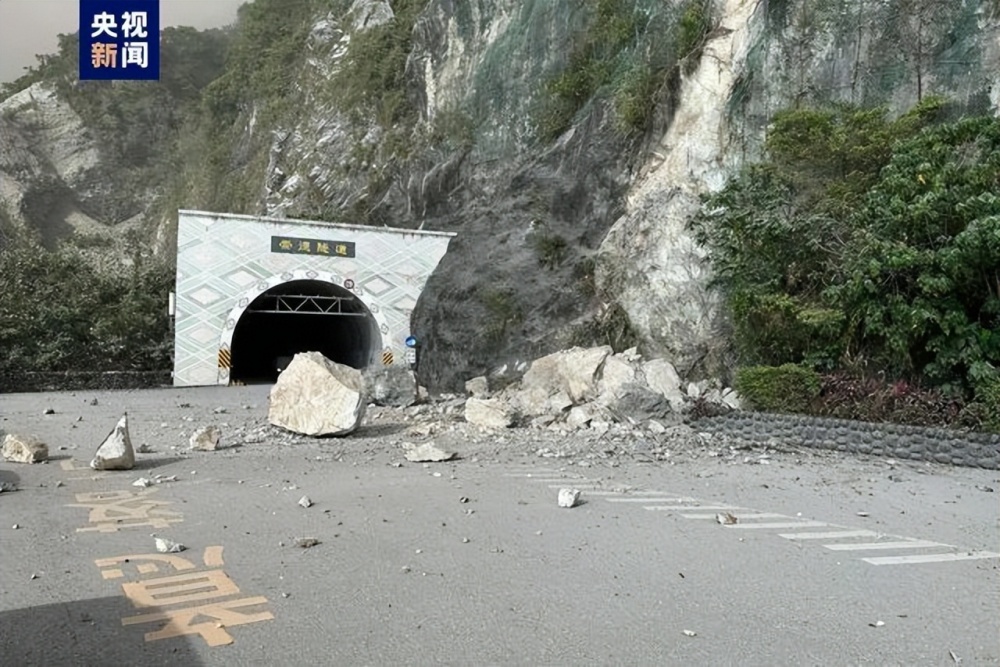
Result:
[{"x": 302, "y": 316}]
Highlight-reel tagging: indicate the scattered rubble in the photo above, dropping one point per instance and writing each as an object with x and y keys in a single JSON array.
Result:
[
  {"x": 146, "y": 482},
  {"x": 206, "y": 439},
  {"x": 7, "y": 487},
  {"x": 569, "y": 497},
  {"x": 24, "y": 449},
  {"x": 307, "y": 542},
  {"x": 315, "y": 396},
  {"x": 304, "y": 501},
  {"x": 116, "y": 452},
  {"x": 726, "y": 519}
]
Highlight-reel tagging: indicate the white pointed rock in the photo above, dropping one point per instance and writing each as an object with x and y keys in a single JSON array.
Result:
[
  {"x": 116, "y": 452},
  {"x": 168, "y": 547}
]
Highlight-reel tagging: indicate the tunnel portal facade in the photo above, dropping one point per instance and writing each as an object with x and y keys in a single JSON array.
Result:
[{"x": 253, "y": 291}]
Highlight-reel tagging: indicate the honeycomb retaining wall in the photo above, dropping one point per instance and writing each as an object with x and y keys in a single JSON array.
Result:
[{"x": 915, "y": 443}]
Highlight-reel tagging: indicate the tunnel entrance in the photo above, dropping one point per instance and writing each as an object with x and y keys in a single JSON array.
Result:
[{"x": 302, "y": 316}]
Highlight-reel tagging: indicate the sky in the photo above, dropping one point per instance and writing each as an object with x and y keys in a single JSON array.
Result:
[{"x": 29, "y": 27}]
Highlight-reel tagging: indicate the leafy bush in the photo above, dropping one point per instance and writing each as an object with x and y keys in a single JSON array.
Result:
[
  {"x": 785, "y": 388},
  {"x": 865, "y": 241},
  {"x": 983, "y": 413}
]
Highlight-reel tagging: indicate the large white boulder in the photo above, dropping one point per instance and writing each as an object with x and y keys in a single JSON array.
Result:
[
  {"x": 568, "y": 377},
  {"x": 317, "y": 396},
  {"x": 662, "y": 377},
  {"x": 616, "y": 374}
]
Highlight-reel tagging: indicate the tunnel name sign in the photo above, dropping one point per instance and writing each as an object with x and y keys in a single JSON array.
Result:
[{"x": 299, "y": 246}]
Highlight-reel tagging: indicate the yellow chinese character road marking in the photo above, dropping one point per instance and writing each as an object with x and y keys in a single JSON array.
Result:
[
  {"x": 322, "y": 248},
  {"x": 103, "y": 55},
  {"x": 341, "y": 249},
  {"x": 180, "y": 588},
  {"x": 124, "y": 509},
  {"x": 304, "y": 246},
  {"x": 222, "y": 615},
  {"x": 285, "y": 244},
  {"x": 212, "y": 558}
]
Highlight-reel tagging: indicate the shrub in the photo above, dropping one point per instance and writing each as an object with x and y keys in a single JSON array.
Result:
[
  {"x": 983, "y": 413},
  {"x": 847, "y": 396},
  {"x": 551, "y": 249},
  {"x": 785, "y": 388}
]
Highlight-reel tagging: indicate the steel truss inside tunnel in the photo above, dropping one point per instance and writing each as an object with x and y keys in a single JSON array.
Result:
[
  {"x": 305, "y": 304},
  {"x": 302, "y": 316}
]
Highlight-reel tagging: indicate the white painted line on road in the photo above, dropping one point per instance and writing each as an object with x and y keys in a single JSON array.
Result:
[
  {"x": 930, "y": 558},
  {"x": 623, "y": 492},
  {"x": 834, "y": 535},
  {"x": 542, "y": 474},
  {"x": 904, "y": 544},
  {"x": 780, "y": 524},
  {"x": 674, "y": 508},
  {"x": 738, "y": 515},
  {"x": 650, "y": 500},
  {"x": 564, "y": 480}
]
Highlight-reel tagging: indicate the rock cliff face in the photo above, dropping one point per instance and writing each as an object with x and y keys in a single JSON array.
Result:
[{"x": 574, "y": 236}]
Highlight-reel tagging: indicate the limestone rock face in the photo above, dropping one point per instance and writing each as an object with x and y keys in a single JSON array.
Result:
[
  {"x": 116, "y": 452},
  {"x": 317, "y": 396},
  {"x": 24, "y": 449}
]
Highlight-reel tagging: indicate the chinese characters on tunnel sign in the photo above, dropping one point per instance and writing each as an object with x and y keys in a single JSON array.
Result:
[
  {"x": 312, "y": 246},
  {"x": 119, "y": 39}
]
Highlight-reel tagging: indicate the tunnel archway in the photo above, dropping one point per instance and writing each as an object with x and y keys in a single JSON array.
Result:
[{"x": 301, "y": 315}]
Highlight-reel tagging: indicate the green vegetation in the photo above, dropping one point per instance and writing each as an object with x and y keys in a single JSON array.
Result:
[
  {"x": 628, "y": 55},
  {"x": 371, "y": 79},
  {"x": 550, "y": 248},
  {"x": 59, "y": 313},
  {"x": 785, "y": 388},
  {"x": 866, "y": 244}
]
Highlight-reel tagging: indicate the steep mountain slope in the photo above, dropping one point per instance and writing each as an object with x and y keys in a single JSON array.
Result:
[{"x": 566, "y": 142}]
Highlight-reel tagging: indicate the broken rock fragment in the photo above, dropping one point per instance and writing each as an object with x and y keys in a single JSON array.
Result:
[
  {"x": 316, "y": 396},
  {"x": 427, "y": 452},
  {"x": 489, "y": 412},
  {"x": 165, "y": 546},
  {"x": 116, "y": 452},
  {"x": 206, "y": 439},
  {"x": 569, "y": 497},
  {"x": 24, "y": 449},
  {"x": 479, "y": 387}
]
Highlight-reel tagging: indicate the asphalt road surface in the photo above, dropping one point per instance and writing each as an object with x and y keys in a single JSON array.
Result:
[{"x": 832, "y": 560}]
